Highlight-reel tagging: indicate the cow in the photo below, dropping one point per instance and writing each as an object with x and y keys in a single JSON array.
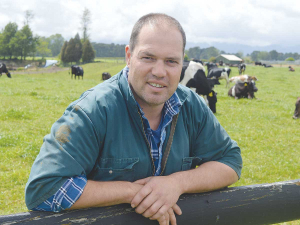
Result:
[
  {"x": 242, "y": 79},
  {"x": 210, "y": 66},
  {"x": 291, "y": 69},
  {"x": 243, "y": 90},
  {"x": 220, "y": 73},
  {"x": 297, "y": 109},
  {"x": 221, "y": 63},
  {"x": 193, "y": 76},
  {"x": 3, "y": 69},
  {"x": 77, "y": 71},
  {"x": 197, "y": 60},
  {"x": 106, "y": 76},
  {"x": 258, "y": 64},
  {"x": 267, "y": 65},
  {"x": 242, "y": 68}
]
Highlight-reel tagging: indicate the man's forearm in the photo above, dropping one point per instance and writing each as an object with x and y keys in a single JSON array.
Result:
[
  {"x": 207, "y": 177},
  {"x": 100, "y": 193}
]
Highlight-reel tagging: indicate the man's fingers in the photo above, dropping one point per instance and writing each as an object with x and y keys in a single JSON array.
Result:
[
  {"x": 153, "y": 209},
  {"x": 140, "y": 196},
  {"x": 177, "y": 209},
  {"x": 162, "y": 221},
  {"x": 172, "y": 217},
  {"x": 162, "y": 211}
]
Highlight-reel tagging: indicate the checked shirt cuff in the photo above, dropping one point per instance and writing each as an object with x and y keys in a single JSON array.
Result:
[{"x": 65, "y": 197}]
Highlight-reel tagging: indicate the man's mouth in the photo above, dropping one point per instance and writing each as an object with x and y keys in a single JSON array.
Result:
[{"x": 156, "y": 85}]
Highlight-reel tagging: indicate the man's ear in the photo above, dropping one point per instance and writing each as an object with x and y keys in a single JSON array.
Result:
[{"x": 128, "y": 55}]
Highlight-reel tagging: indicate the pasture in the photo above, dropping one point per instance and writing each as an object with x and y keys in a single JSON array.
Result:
[{"x": 263, "y": 127}]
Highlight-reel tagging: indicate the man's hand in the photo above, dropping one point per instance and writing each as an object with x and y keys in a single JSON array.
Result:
[{"x": 157, "y": 197}]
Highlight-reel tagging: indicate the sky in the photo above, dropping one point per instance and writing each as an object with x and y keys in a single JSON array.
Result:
[{"x": 229, "y": 25}]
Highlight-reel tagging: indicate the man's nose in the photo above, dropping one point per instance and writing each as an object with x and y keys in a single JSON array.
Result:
[{"x": 159, "y": 69}]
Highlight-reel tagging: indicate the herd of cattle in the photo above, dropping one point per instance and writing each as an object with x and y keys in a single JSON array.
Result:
[{"x": 193, "y": 76}]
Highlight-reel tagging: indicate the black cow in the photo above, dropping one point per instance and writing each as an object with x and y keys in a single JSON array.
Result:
[
  {"x": 193, "y": 76},
  {"x": 77, "y": 71},
  {"x": 210, "y": 66},
  {"x": 258, "y": 64},
  {"x": 220, "y": 73},
  {"x": 297, "y": 109},
  {"x": 3, "y": 69},
  {"x": 106, "y": 76},
  {"x": 267, "y": 65},
  {"x": 242, "y": 68},
  {"x": 243, "y": 90}
]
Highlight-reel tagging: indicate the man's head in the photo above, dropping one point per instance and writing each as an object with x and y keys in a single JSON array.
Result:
[
  {"x": 154, "y": 19},
  {"x": 155, "y": 60}
]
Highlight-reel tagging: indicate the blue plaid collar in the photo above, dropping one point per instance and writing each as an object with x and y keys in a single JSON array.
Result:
[{"x": 172, "y": 105}]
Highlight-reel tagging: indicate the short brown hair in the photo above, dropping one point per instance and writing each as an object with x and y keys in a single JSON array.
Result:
[{"x": 154, "y": 18}]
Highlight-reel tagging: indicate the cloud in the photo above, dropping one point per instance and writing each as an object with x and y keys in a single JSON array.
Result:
[{"x": 244, "y": 22}]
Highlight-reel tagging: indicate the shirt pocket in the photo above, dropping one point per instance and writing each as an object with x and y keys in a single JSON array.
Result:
[
  {"x": 190, "y": 163},
  {"x": 111, "y": 169}
]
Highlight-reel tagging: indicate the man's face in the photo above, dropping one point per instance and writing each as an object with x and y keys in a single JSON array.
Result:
[{"x": 155, "y": 65}]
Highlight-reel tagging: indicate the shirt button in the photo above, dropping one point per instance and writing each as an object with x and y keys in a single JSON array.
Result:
[{"x": 110, "y": 172}]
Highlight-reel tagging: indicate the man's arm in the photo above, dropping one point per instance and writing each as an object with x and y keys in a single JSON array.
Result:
[
  {"x": 159, "y": 194},
  {"x": 101, "y": 193}
]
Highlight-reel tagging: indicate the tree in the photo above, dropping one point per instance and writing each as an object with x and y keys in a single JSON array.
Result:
[
  {"x": 78, "y": 48},
  {"x": 26, "y": 41},
  {"x": 254, "y": 55},
  {"x": 273, "y": 55},
  {"x": 88, "y": 52},
  {"x": 70, "y": 51},
  {"x": 63, "y": 54},
  {"x": 290, "y": 59},
  {"x": 56, "y": 42},
  {"x": 42, "y": 48},
  {"x": 85, "y": 22},
  {"x": 28, "y": 17},
  {"x": 212, "y": 59},
  {"x": 8, "y": 33},
  {"x": 263, "y": 55}
]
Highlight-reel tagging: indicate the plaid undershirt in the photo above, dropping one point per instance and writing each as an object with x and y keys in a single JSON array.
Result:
[{"x": 72, "y": 189}]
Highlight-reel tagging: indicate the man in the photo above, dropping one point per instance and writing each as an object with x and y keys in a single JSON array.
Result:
[{"x": 138, "y": 138}]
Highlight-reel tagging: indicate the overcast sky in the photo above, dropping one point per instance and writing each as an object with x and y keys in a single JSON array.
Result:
[{"x": 241, "y": 23}]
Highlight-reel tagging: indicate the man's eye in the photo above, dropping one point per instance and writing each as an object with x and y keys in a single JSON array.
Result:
[
  {"x": 147, "y": 58},
  {"x": 171, "y": 61}
]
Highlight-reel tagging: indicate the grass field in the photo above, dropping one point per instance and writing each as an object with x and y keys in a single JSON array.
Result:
[{"x": 263, "y": 127}]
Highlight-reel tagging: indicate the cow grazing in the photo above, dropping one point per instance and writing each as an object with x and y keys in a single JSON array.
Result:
[
  {"x": 220, "y": 73},
  {"x": 291, "y": 69},
  {"x": 193, "y": 76},
  {"x": 243, "y": 90},
  {"x": 297, "y": 109},
  {"x": 3, "y": 69},
  {"x": 242, "y": 79},
  {"x": 106, "y": 76},
  {"x": 242, "y": 68},
  {"x": 77, "y": 71},
  {"x": 258, "y": 64}
]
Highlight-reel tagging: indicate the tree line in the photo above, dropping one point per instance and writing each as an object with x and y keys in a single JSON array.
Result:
[{"x": 210, "y": 53}]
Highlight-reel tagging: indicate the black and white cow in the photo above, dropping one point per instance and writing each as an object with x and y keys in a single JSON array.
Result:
[
  {"x": 210, "y": 66},
  {"x": 77, "y": 71},
  {"x": 242, "y": 68},
  {"x": 3, "y": 69},
  {"x": 297, "y": 109},
  {"x": 106, "y": 76},
  {"x": 243, "y": 90},
  {"x": 193, "y": 76},
  {"x": 291, "y": 69},
  {"x": 220, "y": 73}
]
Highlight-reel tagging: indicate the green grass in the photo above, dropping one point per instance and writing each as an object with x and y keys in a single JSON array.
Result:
[{"x": 263, "y": 127}]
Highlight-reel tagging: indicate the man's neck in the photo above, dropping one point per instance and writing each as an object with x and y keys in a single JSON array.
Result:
[{"x": 153, "y": 114}]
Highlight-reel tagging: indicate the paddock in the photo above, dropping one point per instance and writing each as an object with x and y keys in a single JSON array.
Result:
[{"x": 263, "y": 127}]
